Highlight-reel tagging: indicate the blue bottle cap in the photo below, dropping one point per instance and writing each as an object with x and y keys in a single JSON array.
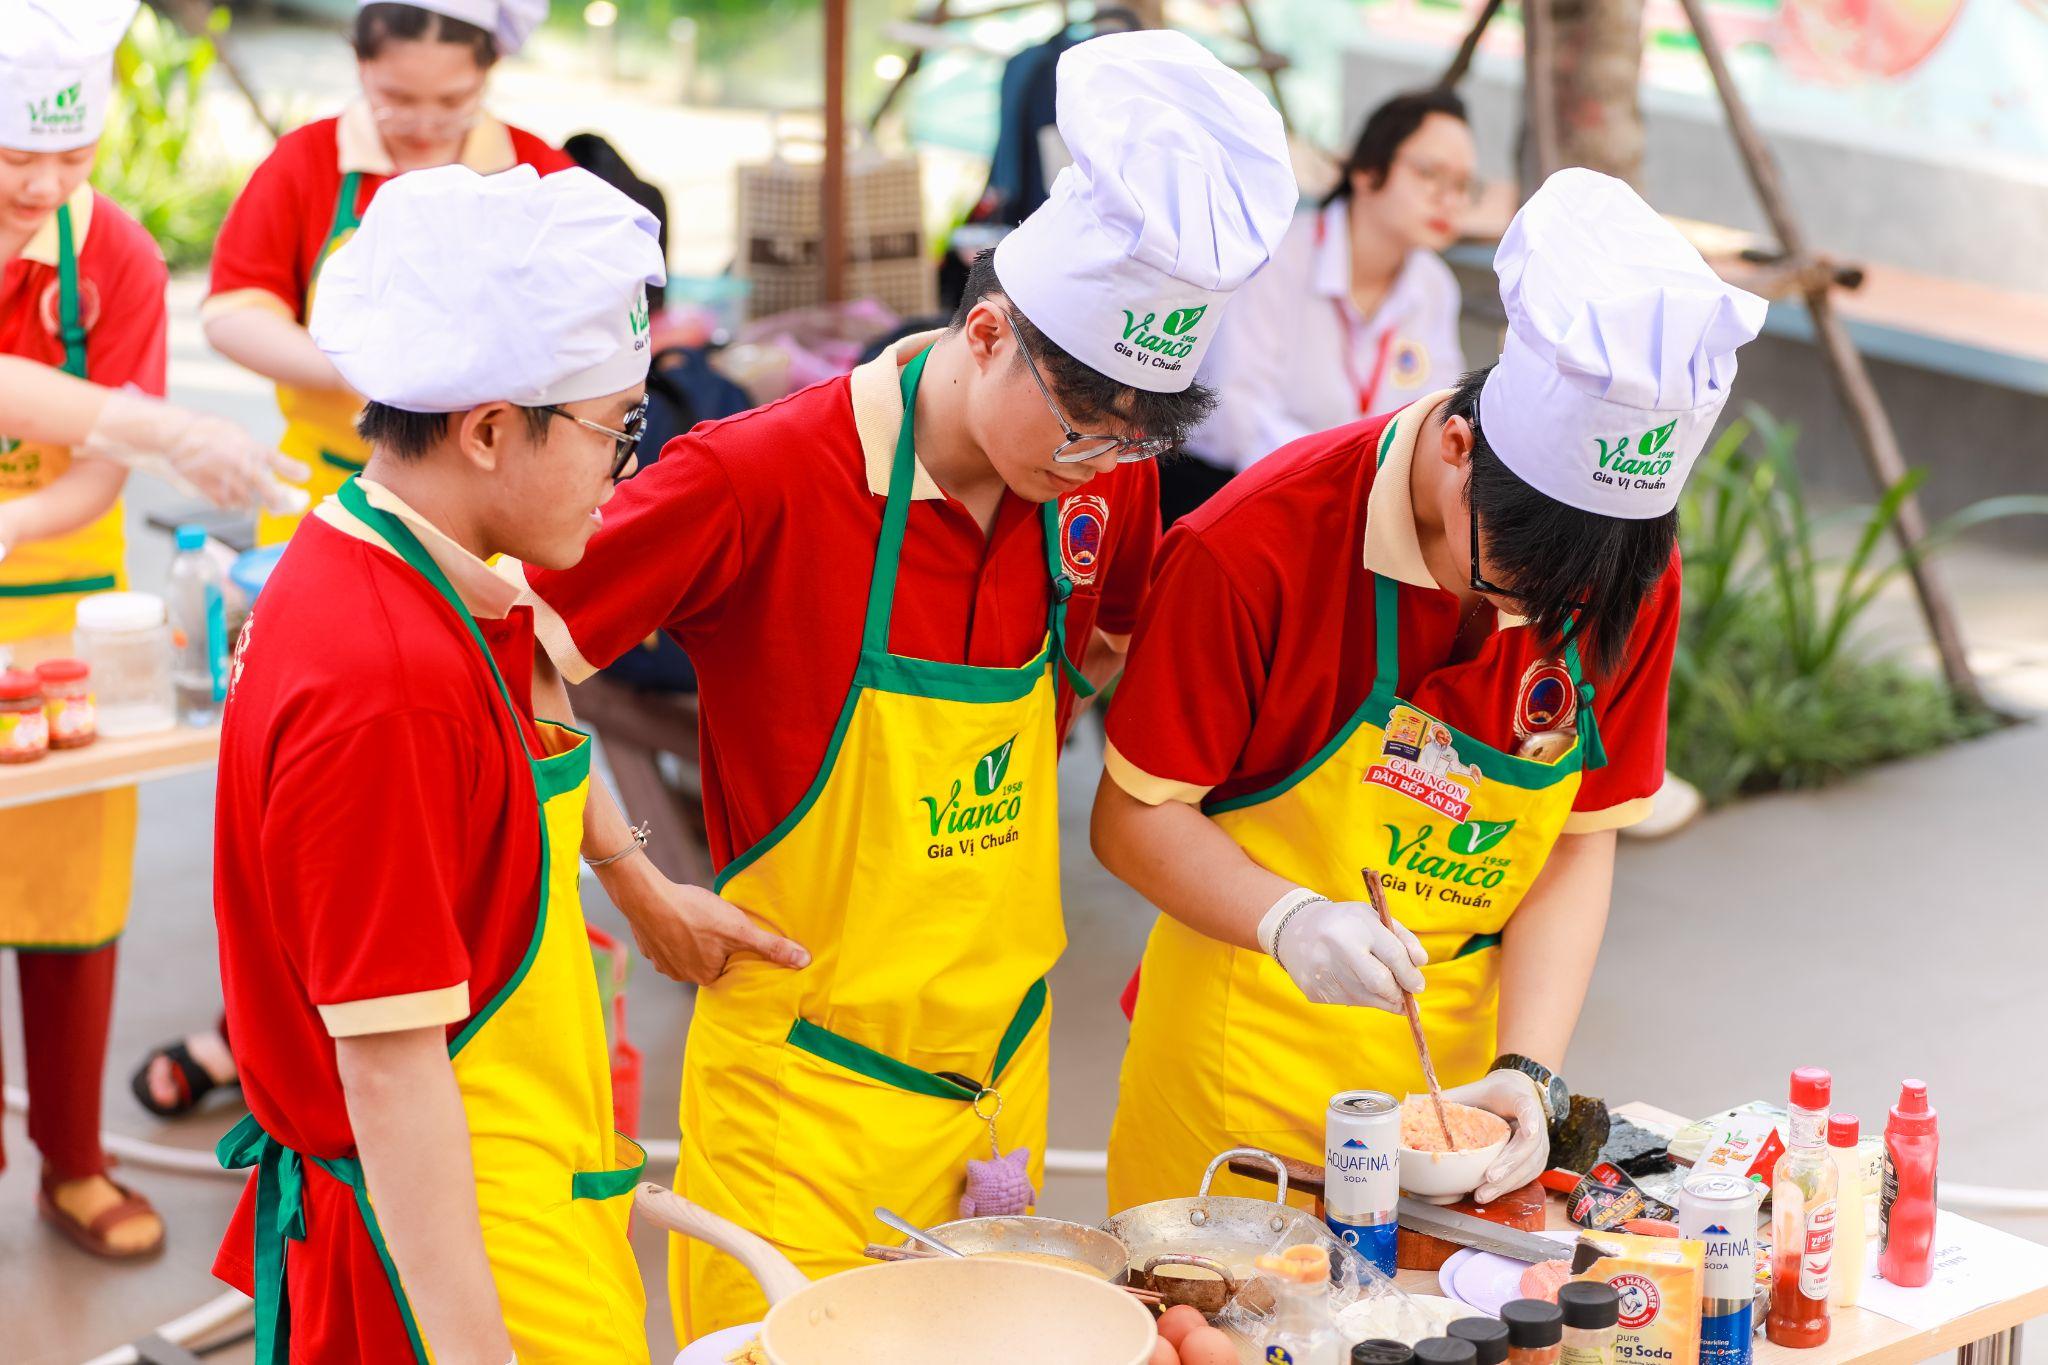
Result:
[{"x": 191, "y": 537}]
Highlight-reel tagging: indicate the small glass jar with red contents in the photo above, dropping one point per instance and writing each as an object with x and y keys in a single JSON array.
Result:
[
  {"x": 24, "y": 731},
  {"x": 68, "y": 702}
]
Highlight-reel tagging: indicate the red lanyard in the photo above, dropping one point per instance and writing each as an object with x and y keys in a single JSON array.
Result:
[{"x": 1371, "y": 387}]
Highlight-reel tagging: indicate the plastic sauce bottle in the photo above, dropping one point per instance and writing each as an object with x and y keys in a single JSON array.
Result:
[
  {"x": 1591, "y": 1312},
  {"x": 1906, "y": 1207},
  {"x": 199, "y": 631},
  {"x": 1535, "y": 1331},
  {"x": 1847, "y": 1285},
  {"x": 1303, "y": 1331},
  {"x": 1803, "y": 1218}
]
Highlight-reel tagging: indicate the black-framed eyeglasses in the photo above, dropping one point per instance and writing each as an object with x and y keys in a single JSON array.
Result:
[
  {"x": 1077, "y": 448},
  {"x": 1481, "y": 584},
  {"x": 625, "y": 444}
]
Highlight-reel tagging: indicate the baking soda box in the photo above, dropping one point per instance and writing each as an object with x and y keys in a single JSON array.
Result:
[{"x": 1660, "y": 1280}]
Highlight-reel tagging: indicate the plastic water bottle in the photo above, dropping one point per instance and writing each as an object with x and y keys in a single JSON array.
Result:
[{"x": 199, "y": 635}]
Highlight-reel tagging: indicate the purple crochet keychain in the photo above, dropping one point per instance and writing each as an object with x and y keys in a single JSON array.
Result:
[{"x": 1002, "y": 1184}]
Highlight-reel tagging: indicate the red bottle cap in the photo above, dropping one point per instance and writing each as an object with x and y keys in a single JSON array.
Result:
[
  {"x": 1843, "y": 1130},
  {"x": 1913, "y": 1114},
  {"x": 1811, "y": 1086},
  {"x": 62, "y": 670},
  {"x": 16, "y": 685}
]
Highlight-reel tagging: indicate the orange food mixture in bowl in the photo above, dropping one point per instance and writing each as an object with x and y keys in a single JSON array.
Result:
[{"x": 1470, "y": 1128}]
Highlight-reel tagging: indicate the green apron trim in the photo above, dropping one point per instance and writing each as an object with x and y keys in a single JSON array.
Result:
[
  {"x": 613, "y": 1183},
  {"x": 61, "y": 587},
  {"x": 345, "y": 218},
  {"x": 878, "y": 1066},
  {"x": 1478, "y": 943},
  {"x": 881, "y": 671},
  {"x": 341, "y": 462}
]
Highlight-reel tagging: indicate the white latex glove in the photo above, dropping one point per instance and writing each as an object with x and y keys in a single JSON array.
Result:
[
  {"x": 198, "y": 452},
  {"x": 1514, "y": 1097},
  {"x": 1338, "y": 952}
]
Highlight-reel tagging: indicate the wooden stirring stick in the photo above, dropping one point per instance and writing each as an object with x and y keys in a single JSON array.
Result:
[{"x": 1378, "y": 895}]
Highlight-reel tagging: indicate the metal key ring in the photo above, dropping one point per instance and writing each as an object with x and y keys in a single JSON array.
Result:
[{"x": 986, "y": 1091}]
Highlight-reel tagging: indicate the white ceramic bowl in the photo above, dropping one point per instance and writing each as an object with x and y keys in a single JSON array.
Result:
[{"x": 1447, "y": 1177}]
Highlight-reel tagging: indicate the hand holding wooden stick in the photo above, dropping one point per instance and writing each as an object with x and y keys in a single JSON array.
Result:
[{"x": 1378, "y": 895}]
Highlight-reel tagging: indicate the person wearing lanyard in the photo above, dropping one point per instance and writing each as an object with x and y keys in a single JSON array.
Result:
[
  {"x": 896, "y": 587},
  {"x": 423, "y": 69},
  {"x": 402, "y": 945},
  {"x": 81, "y": 289},
  {"x": 1357, "y": 315},
  {"x": 1434, "y": 645}
]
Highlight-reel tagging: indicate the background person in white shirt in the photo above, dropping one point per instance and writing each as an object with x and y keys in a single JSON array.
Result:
[{"x": 1355, "y": 315}]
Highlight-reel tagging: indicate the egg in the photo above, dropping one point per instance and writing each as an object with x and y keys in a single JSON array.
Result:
[
  {"x": 1163, "y": 1353},
  {"x": 1176, "y": 1322},
  {"x": 1208, "y": 1346}
]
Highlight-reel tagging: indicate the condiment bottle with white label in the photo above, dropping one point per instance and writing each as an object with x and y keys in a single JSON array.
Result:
[
  {"x": 1803, "y": 1218},
  {"x": 1850, "y": 1230}
]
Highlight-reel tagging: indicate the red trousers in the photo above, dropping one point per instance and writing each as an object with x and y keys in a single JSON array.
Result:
[{"x": 67, "y": 1002}]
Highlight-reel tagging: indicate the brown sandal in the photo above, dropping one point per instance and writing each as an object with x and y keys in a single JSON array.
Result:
[{"x": 92, "y": 1237}]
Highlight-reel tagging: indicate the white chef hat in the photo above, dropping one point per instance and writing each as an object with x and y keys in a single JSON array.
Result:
[
  {"x": 57, "y": 70},
  {"x": 1620, "y": 348},
  {"x": 510, "y": 22},
  {"x": 461, "y": 289},
  {"x": 1179, "y": 190}
]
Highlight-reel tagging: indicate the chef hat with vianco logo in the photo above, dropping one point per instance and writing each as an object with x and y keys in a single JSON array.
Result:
[
  {"x": 1620, "y": 349},
  {"x": 509, "y": 22},
  {"x": 462, "y": 289},
  {"x": 57, "y": 70},
  {"x": 1179, "y": 190}
]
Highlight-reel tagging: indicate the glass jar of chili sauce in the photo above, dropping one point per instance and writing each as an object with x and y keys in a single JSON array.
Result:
[
  {"x": 68, "y": 702},
  {"x": 24, "y": 731}
]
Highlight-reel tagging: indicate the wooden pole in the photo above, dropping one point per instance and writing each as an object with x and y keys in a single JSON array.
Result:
[
  {"x": 191, "y": 15},
  {"x": 833, "y": 199},
  {"x": 1539, "y": 92},
  {"x": 1462, "y": 62},
  {"x": 1867, "y": 417}
]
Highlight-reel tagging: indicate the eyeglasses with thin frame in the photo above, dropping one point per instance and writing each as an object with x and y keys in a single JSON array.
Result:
[
  {"x": 1442, "y": 180},
  {"x": 625, "y": 443},
  {"x": 414, "y": 121},
  {"x": 1077, "y": 448},
  {"x": 1480, "y": 583}
]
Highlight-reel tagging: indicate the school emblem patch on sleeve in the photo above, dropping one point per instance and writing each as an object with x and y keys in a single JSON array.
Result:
[
  {"x": 1084, "y": 521},
  {"x": 1546, "y": 700}
]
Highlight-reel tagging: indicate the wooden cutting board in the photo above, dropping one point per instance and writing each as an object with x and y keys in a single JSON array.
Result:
[{"x": 1523, "y": 1209}]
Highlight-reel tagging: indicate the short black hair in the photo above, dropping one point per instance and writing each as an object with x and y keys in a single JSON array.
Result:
[
  {"x": 1556, "y": 555},
  {"x": 410, "y": 435},
  {"x": 383, "y": 23},
  {"x": 1086, "y": 394},
  {"x": 1386, "y": 128}
]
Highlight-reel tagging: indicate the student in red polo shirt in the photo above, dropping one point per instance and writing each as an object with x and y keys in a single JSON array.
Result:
[
  {"x": 1434, "y": 647},
  {"x": 402, "y": 942},
  {"x": 894, "y": 589}
]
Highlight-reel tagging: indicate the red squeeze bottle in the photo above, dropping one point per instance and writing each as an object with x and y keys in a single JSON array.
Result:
[{"x": 1911, "y": 1144}]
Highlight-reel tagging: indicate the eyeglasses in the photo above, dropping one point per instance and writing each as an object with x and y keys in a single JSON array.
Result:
[
  {"x": 1443, "y": 181},
  {"x": 411, "y": 121},
  {"x": 624, "y": 443},
  {"x": 1078, "y": 449},
  {"x": 1480, "y": 584}
]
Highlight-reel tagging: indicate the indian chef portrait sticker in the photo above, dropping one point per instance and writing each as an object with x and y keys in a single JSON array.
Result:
[
  {"x": 1084, "y": 521},
  {"x": 1419, "y": 759},
  {"x": 1546, "y": 699}
]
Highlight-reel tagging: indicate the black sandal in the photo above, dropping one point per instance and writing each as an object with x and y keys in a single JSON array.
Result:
[{"x": 194, "y": 1082}]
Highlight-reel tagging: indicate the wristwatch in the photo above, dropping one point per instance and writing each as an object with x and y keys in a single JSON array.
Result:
[{"x": 1557, "y": 1096}]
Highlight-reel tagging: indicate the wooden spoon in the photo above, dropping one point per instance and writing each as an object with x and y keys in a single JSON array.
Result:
[{"x": 1378, "y": 896}]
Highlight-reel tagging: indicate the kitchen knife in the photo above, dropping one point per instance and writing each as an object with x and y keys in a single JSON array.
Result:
[{"x": 1464, "y": 1230}]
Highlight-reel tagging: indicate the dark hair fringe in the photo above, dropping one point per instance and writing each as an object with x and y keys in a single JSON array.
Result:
[
  {"x": 408, "y": 436},
  {"x": 1558, "y": 555},
  {"x": 385, "y": 22},
  {"x": 1086, "y": 394},
  {"x": 1386, "y": 128}
]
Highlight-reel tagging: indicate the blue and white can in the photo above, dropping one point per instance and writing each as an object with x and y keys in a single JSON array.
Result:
[
  {"x": 1720, "y": 1211},
  {"x": 1362, "y": 1173}
]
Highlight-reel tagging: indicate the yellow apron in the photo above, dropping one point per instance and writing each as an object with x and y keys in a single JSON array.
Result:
[
  {"x": 74, "y": 893},
  {"x": 1225, "y": 1051},
  {"x": 320, "y": 424},
  {"x": 554, "y": 1181},
  {"x": 921, "y": 870}
]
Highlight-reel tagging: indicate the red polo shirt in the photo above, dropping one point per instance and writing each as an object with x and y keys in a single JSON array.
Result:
[
  {"x": 376, "y": 860},
  {"x": 751, "y": 542},
  {"x": 121, "y": 296},
  {"x": 273, "y": 236},
  {"x": 1257, "y": 643}
]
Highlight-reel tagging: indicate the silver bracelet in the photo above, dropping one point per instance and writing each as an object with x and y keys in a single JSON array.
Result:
[{"x": 634, "y": 845}]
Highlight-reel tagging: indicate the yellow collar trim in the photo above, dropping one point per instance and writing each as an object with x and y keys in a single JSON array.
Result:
[
  {"x": 42, "y": 248},
  {"x": 488, "y": 596},
  {"x": 878, "y": 416},
  {"x": 360, "y": 149}
]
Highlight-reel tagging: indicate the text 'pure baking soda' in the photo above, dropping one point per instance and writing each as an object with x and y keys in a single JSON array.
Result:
[{"x": 1362, "y": 1173}]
